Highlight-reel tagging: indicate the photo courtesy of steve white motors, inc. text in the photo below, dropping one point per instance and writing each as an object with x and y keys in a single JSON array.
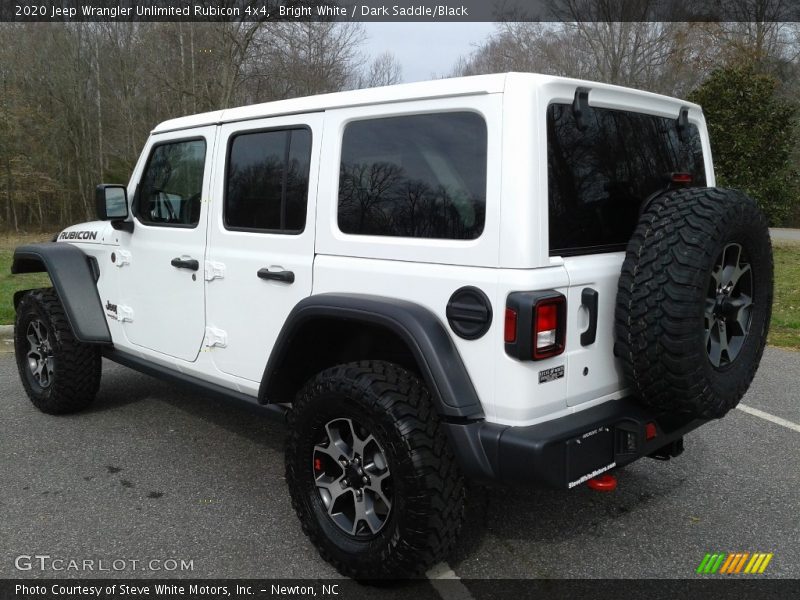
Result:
[{"x": 172, "y": 590}]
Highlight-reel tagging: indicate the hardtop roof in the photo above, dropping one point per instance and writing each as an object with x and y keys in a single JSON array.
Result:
[{"x": 440, "y": 88}]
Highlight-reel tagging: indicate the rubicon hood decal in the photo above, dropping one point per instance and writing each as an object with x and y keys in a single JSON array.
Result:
[{"x": 78, "y": 235}]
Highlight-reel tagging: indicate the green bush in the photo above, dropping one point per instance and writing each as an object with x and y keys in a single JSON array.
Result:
[{"x": 752, "y": 133}]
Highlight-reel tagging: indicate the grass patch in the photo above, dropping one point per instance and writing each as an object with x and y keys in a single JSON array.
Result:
[
  {"x": 785, "y": 329},
  {"x": 12, "y": 283}
]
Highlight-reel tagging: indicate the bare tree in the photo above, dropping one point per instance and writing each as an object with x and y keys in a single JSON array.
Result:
[{"x": 384, "y": 69}]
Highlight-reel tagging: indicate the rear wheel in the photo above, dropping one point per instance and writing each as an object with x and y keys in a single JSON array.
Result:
[
  {"x": 60, "y": 374},
  {"x": 694, "y": 301},
  {"x": 371, "y": 474}
]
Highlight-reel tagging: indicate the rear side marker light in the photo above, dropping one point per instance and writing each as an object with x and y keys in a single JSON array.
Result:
[
  {"x": 650, "y": 431},
  {"x": 510, "y": 332}
]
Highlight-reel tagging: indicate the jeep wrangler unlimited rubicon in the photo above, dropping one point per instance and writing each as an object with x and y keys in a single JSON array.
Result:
[{"x": 503, "y": 278}]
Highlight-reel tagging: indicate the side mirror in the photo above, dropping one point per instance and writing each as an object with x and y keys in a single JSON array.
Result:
[{"x": 112, "y": 202}]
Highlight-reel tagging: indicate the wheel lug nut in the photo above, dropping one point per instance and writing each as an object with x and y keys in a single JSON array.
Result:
[{"x": 365, "y": 479}]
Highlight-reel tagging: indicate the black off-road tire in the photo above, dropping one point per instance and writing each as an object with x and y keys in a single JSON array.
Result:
[
  {"x": 75, "y": 367},
  {"x": 671, "y": 301},
  {"x": 427, "y": 489}
]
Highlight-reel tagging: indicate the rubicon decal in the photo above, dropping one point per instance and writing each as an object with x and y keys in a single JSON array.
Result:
[
  {"x": 734, "y": 563},
  {"x": 78, "y": 235}
]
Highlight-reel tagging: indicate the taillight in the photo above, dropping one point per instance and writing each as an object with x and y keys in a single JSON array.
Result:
[
  {"x": 535, "y": 324},
  {"x": 546, "y": 339}
]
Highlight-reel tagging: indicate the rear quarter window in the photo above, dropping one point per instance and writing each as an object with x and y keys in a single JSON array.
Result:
[
  {"x": 415, "y": 176},
  {"x": 599, "y": 176}
]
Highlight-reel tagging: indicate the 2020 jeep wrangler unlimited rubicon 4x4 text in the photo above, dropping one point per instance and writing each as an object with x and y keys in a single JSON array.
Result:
[{"x": 503, "y": 278}]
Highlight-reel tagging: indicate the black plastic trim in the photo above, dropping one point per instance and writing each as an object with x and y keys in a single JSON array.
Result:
[
  {"x": 192, "y": 264},
  {"x": 469, "y": 313},
  {"x": 420, "y": 330},
  {"x": 589, "y": 299},
  {"x": 524, "y": 304},
  {"x": 74, "y": 280},
  {"x": 580, "y": 107},
  {"x": 540, "y": 454},
  {"x": 198, "y": 385},
  {"x": 100, "y": 201},
  {"x": 682, "y": 122},
  {"x": 122, "y": 225},
  {"x": 282, "y": 276}
]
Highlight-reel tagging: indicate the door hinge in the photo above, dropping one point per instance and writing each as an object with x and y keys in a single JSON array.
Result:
[
  {"x": 123, "y": 257},
  {"x": 124, "y": 314},
  {"x": 215, "y": 337},
  {"x": 214, "y": 270}
]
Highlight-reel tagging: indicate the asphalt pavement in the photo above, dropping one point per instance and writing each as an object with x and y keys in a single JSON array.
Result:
[
  {"x": 152, "y": 473},
  {"x": 784, "y": 235}
]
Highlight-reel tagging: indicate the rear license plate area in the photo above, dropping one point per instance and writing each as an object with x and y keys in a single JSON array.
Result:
[{"x": 589, "y": 455}]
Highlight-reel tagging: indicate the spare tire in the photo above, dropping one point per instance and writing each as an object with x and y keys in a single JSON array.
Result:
[{"x": 694, "y": 301}]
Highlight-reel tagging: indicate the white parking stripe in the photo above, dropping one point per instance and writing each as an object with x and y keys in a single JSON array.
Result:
[
  {"x": 768, "y": 417},
  {"x": 445, "y": 581}
]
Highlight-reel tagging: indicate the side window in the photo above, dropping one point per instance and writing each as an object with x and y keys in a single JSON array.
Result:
[
  {"x": 172, "y": 185},
  {"x": 266, "y": 188},
  {"x": 419, "y": 176}
]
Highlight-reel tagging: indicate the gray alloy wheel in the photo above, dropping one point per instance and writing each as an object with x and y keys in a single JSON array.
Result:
[
  {"x": 353, "y": 478},
  {"x": 40, "y": 353},
  {"x": 729, "y": 305}
]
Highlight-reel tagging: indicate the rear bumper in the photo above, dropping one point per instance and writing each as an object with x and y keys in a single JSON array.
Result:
[{"x": 568, "y": 451}]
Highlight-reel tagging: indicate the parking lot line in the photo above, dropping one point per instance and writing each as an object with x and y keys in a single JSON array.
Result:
[
  {"x": 447, "y": 584},
  {"x": 768, "y": 417}
]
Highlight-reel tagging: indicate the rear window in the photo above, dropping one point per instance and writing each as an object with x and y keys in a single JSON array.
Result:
[
  {"x": 416, "y": 176},
  {"x": 598, "y": 177}
]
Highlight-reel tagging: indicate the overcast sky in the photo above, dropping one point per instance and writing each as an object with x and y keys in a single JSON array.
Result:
[{"x": 425, "y": 50}]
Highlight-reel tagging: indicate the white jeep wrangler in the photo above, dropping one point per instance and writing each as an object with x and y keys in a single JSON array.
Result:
[{"x": 503, "y": 278}]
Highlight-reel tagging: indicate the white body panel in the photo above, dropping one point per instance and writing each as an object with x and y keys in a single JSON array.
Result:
[
  {"x": 252, "y": 311},
  {"x": 171, "y": 311}
]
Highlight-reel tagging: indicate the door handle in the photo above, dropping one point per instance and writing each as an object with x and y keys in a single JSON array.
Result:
[
  {"x": 283, "y": 276},
  {"x": 589, "y": 300},
  {"x": 185, "y": 263}
]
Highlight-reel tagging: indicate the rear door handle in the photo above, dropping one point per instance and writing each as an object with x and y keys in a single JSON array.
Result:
[
  {"x": 283, "y": 276},
  {"x": 589, "y": 300},
  {"x": 185, "y": 263}
]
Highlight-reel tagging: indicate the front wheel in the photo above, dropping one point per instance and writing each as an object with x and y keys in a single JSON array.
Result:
[
  {"x": 59, "y": 373},
  {"x": 372, "y": 476}
]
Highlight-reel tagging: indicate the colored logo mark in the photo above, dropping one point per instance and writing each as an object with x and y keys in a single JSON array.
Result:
[{"x": 734, "y": 563}]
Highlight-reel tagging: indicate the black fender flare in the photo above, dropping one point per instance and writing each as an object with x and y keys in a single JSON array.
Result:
[
  {"x": 419, "y": 329},
  {"x": 74, "y": 276}
]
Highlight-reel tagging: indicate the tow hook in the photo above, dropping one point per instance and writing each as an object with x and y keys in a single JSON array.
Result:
[{"x": 603, "y": 483}]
